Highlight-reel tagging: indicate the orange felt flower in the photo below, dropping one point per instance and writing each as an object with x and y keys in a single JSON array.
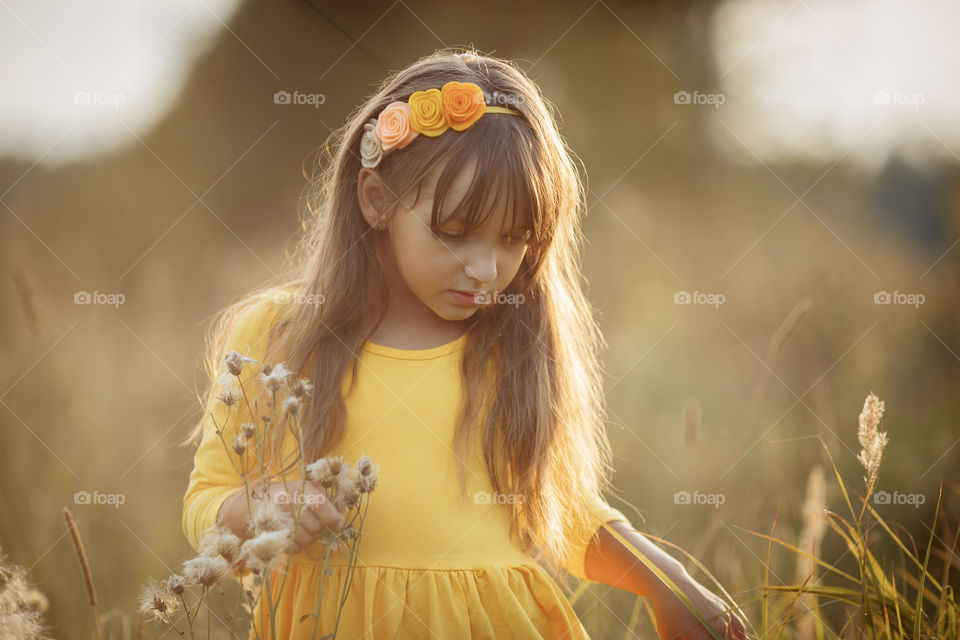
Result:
[
  {"x": 426, "y": 113},
  {"x": 393, "y": 126},
  {"x": 463, "y": 103}
]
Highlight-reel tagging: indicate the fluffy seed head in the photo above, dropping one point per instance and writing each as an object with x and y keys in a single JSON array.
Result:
[
  {"x": 157, "y": 600},
  {"x": 239, "y": 445},
  {"x": 336, "y": 465},
  {"x": 292, "y": 406},
  {"x": 872, "y": 440},
  {"x": 301, "y": 387},
  {"x": 365, "y": 465},
  {"x": 276, "y": 378},
  {"x": 367, "y": 483},
  {"x": 229, "y": 393},
  {"x": 348, "y": 489},
  {"x": 268, "y": 517},
  {"x": 263, "y": 551},
  {"x": 234, "y": 362},
  {"x": 206, "y": 570},
  {"x": 223, "y": 543},
  {"x": 176, "y": 584},
  {"x": 319, "y": 473}
]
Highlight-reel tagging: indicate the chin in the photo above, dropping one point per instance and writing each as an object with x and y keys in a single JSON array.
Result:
[
  {"x": 454, "y": 313},
  {"x": 455, "y": 316}
]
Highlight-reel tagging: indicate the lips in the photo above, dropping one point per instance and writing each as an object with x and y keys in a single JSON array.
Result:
[{"x": 465, "y": 298}]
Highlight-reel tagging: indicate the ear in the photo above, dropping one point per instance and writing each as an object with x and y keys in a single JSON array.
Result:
[{"x": 371, "y": 194}]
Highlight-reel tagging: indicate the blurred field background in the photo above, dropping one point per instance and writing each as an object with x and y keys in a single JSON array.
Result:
[{"x": 817, "y": 159}]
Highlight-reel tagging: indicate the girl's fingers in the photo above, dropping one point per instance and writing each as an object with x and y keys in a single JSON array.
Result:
[
  {"x": 329, "y": 517},
  {"x": 326, "y": 513},
  {"x": 301, "y": 540},
  {"x": 310, "y": 522},
  {"x": 319, "y": 518}
]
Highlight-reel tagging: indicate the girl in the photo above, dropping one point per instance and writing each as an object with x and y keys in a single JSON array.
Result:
[{"x": 437, "y": 309}]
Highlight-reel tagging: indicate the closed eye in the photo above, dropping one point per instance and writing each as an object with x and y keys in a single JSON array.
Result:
[
  {"x": 518, "y": 237},
  {"x": 509, "y": 238}
]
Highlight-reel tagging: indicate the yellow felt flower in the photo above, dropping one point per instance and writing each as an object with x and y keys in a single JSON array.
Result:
[
  {"x": 426, "y": 113},
  {"x": 463, "y": 104}
]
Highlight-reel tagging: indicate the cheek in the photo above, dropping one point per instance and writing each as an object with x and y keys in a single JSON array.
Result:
[
  {"x": 512, "y": 264},
  {"x": 425, "y": 263}
]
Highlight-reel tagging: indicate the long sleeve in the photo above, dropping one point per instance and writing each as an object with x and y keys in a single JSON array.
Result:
[
  {"x": 602, "y": 512},
  {"x": 214, "y": 477}
]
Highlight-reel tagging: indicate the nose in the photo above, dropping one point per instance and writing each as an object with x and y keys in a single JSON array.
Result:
[{"x": 482, "y": 266}]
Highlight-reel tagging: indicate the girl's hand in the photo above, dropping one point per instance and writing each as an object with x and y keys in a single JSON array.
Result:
[
  {"x": 317, "y": 514},
  {"x": 676, "y": 622}
]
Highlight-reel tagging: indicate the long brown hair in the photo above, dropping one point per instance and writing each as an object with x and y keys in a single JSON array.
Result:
[{"x": 542, "y": 425}]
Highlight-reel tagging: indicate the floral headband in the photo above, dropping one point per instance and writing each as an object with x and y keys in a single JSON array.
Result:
[{"x": 456, "y": 106}]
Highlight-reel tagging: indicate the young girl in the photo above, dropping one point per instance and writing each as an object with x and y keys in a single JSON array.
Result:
[{"x": 438, "y": 312}]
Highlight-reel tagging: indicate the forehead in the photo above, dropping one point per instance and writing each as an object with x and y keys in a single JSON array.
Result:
[{"x": 463, "y": 200}]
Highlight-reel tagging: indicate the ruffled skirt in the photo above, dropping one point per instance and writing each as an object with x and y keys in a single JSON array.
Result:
[{"x": 515, "y": 601}]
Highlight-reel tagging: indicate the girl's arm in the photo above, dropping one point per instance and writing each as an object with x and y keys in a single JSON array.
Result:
[
  {"x": 214, "y": 477},
  {"x": 610, "y": 562},
  {"x": 611, "y": 559}
]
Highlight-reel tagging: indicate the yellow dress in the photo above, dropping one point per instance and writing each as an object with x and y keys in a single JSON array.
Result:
[{"x": 428, "y": 566}]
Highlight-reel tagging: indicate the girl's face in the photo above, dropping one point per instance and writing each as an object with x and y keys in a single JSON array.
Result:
[{"x": 424, "y": 271}]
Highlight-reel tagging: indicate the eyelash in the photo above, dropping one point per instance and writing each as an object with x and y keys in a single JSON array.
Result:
[{"x": 456, "y": 236}]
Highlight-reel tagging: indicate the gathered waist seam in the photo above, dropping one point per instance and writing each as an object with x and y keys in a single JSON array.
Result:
[{"x": 510, "y": 565}]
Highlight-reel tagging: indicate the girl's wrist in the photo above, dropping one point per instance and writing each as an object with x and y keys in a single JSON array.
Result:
[
  {"x": 654, "y": 587},
  {"x": 659, "y": 590}
]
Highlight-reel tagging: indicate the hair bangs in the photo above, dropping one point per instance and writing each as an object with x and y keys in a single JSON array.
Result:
[{"x": 503, "y": 179}]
